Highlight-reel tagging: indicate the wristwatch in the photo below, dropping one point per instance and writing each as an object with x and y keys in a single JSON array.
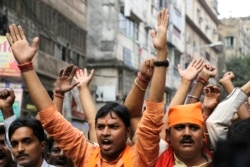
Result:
[{"x": 161, "y": 63}]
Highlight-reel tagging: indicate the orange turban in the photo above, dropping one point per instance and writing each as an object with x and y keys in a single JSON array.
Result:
[{"x": 188, "y": 113}]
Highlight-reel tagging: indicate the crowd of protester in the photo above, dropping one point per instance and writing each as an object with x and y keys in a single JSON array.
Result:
[{"x": 197, "y": 130}]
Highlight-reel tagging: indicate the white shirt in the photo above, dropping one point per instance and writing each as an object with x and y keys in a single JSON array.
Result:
[{"x": 220, "y": 120}]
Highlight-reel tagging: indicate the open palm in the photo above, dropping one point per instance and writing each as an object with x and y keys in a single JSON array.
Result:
[
  {"x": 159, "y": 36},
  {"x": 22, "y": 50}
]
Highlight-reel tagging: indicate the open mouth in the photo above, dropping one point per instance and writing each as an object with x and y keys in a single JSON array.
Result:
[
  {"x": 106, "y": 144},
  {"x": 2, "y": 156}
]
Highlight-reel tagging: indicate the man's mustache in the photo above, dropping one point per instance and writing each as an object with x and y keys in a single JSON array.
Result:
[
  {"x": 21, "y": 155},
  {"x": 61, "y": 161},
  {"x": 186, "y": 139}
]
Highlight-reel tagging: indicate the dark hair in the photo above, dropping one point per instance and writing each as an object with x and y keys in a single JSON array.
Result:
[
  {"x": 2, "y": 129},
  {"x": 31, "y": 123},
  {"x": 235, "y": 150},
  {"x": 118, "y": 109},
  {"x": 50, "y": 142},
  {"x": 239, "y": 131}
]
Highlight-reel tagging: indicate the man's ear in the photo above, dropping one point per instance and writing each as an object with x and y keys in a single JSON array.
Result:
[
  {"x": 128, "y": 132},
  {"x": 167, "y": 131},
  {"x": 43, "y": 145}
]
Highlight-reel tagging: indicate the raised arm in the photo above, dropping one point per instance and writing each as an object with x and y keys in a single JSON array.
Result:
[
  {"x": 207, "y": 72},
  {"x": 151, "y": 122},
  {"x": 187, "y": 77},
  {"x": 227, "y": 83},
  {"x": 157, "y": 87},
  {"x": 24, "y": 53},
  {"x": 211, "y": 100},
  {"x": 63, "y": 84},
  {"x": 219, "y": 121},
  {"x": 135, "y": 98},
  {"x": 84, "y": 79},
  {"x": 7, "y": 99},
  {"x": 74, "y": 143}
]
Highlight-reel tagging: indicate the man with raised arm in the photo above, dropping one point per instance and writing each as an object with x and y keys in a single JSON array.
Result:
[{"x": 112, "y": 120}]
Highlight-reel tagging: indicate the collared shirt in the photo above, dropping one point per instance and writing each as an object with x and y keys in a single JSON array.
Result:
[
  {"x": 7, "y": 123},
  {"x": 143, "y": 153},
  {"x": 45, "y": 164},
  {"x": 179, "y": 163}
]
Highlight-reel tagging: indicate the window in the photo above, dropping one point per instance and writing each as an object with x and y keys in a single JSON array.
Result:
[
  {"x": 207, "y": 56},
  {"x": 120, "y": 79},
  {"x": 145, "y": 37},
  {"x": 198, "y": 15},
  {"x": 77, "y": 59},
  {"x": 177, "y": 57},
  {"x": 66, "y": 54},
  {"x": 128, "y": 26},
  {"x": 46, "y": 45},
  {"x": 161, "y": 4},
  {"x": 229, "y": 41}
]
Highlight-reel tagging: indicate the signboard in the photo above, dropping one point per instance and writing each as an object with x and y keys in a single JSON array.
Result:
[
  {"x": 8, "y": 64},
  {"x": 18, "y": 100}
]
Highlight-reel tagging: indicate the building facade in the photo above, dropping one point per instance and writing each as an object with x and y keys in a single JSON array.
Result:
[
  {"x": 235, "y": 34},
  {"x": 62, "y": 30},
  {"x": 119, "y": 41},
  {"x": 201, "y": 34}
]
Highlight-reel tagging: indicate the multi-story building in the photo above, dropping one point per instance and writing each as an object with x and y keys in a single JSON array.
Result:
[
  {"x": 119, "y": 41},
  {"x": 236, "y": 37},
  {"x": 61, "y": 28},
  {"x": 246, "y": 21},
  {"x": 201, "y": 31}
]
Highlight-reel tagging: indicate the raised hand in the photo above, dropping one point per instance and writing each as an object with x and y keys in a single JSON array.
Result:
[
  {"x": 208, "y": 71},
  {"x": 64, "y": 81},
  {"x": 22, "y": 50},
  {"x": 159, "y": 36},
  {"x": 146, "y": 70},
  {"x": 227, "y": 81},
  {"x": 212, "y": 98},
  {"x": 83, "y": 78},
  {"x": 7, "y": 99},
  {"x": 228, "y": 76},
  {"x": 190, "y": 73}
]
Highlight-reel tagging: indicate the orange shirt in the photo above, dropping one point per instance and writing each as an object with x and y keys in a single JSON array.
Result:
[{"x": 75, "y": 145}]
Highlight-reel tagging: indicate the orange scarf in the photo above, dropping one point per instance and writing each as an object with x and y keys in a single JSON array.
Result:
[{"x": 126, "y": 157}]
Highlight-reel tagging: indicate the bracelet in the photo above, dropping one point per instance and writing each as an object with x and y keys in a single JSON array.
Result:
[
  {"x": 140, "y": 77},
  {"x": 161, "y": 63},
  {"x": 26, "y": 66},
  {"x": 194, "y": 97},
  {"x": 142, "y": 89},
  {"x": 58, "y": 95},
  {"x": 202, "y": 80}
]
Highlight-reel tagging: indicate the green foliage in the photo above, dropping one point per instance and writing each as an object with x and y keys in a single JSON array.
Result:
[{"x": 241, "y": 69}]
